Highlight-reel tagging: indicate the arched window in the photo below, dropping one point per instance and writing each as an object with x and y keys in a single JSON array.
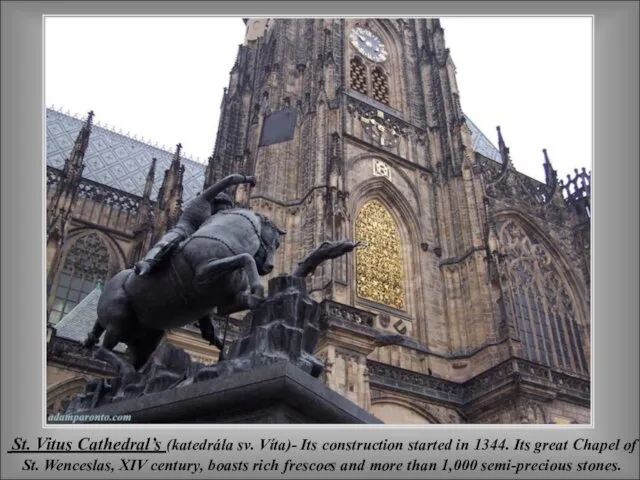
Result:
[
  {"x": 87, "y": 262},
  {"x": 544, "y": 310},
  {"x": 379, "y": 269},
  {"x": 358, "y": 75},
  {"x": 380, "y": 86}
]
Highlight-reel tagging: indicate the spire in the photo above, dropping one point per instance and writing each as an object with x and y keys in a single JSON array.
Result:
[
  {"x": 209, "y": 173},
  {"x": 175, "y": 162},
  {"x": 550, "y": 175},
  {"x": 169, "y": 198},
  {"x": 180, "y": 185},
  {"x": 505, "y": 159},
  {"x": 504, "y": 150},
  {"x": 62, "y": 203},
  {"x": 82, "y": 142},
  {"x": 150, "y": 178}
]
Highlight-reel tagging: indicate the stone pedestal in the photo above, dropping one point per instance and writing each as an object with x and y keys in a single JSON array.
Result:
[
  {"x": 275, "y": 393},
  {"x": 283, "y": 328}
]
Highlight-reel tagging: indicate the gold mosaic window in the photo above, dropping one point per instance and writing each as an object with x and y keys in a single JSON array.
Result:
[
  {"x": 541, "y": 300},
  {"x": 380, "y": 85},
  {"x": 358, "y": 74},
  {"x": 379, "y": 270}
]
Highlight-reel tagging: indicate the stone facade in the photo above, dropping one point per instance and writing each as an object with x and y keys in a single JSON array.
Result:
[{"x": 478, "y": 308}]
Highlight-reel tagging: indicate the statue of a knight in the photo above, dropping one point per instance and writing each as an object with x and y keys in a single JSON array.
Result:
[{"x": 194, "y": 213}]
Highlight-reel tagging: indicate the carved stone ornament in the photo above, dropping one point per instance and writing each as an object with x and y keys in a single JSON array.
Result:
[
  {"x": 382, "y": 130},
  {"x": 381, "y": 169},
  {"x": 384, "y": 319}
]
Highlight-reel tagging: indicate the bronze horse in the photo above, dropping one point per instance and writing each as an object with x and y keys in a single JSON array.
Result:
[{"x": 217, "y": 267}]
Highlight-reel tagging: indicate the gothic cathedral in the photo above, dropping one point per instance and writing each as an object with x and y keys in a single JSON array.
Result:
[{"x": 470, "y": 301}]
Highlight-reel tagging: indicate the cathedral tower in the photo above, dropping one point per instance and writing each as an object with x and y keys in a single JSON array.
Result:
[{"x": 354, "y": 128}]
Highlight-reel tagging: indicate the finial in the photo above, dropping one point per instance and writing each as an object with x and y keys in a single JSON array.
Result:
[
  {"x": 504, "y": 150},
  {"x": 176, "y": 156},
  {"x": 89, "y": 121},
  {"x": 550, "y": 175}
]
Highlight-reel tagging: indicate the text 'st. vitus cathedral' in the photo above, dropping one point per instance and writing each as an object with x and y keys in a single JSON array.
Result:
[{"x": 470, "y": 302}]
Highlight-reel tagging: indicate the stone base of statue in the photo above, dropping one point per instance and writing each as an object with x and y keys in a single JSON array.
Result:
[
  {"x": 284, "y": 328},
  {"x": 277, "y": 393},
  {"x": 270, "y": 375}
]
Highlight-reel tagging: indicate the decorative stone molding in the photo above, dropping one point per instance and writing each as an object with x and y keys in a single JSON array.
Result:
[
  {"x": 337, "y": 310},
  {"x": 381, "y": 123},
  {"x": 73, "y": 355},
  {"x": 98, "y": 193},
  {"x": 512, "y": 375}
]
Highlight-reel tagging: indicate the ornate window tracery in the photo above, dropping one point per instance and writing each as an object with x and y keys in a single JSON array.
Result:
[
  {"x": 358, "y": 75},
  {"x": 86, "y": 263},
  {"x": 380, "y": 86},
  {"x": 542, "y": 303},
  {"x": 379, "y": 268}
]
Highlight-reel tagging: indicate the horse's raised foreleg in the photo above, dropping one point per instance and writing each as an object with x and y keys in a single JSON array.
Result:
[
  {"x": 242, "y": 301},
  {"x": 215, "y": 269}
]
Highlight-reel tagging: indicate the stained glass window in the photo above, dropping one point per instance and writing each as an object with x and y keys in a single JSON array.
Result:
[
  {"x": 542, "y": 303},
  {"x": 86, "y": 263}
]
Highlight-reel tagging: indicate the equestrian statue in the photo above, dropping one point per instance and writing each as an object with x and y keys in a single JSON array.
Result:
[{"x": 210, "y": 261}]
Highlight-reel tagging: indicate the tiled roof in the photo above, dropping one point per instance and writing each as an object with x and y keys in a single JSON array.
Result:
[
  {"x": 481, "y": 144},
  {"x": 77, "y": 324},
  {"x": 122, "y": 162},
  {"x": 114, "y": 159}
]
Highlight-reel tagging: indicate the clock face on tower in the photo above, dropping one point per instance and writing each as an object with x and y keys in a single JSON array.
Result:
[{"x": 368, "y": 44}]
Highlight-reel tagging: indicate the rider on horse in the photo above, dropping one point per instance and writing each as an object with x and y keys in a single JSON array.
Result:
[{"x": 194, "y": 213}]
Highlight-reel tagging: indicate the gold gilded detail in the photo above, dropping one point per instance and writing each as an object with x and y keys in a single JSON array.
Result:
[{"x": 379, "y": 271}]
